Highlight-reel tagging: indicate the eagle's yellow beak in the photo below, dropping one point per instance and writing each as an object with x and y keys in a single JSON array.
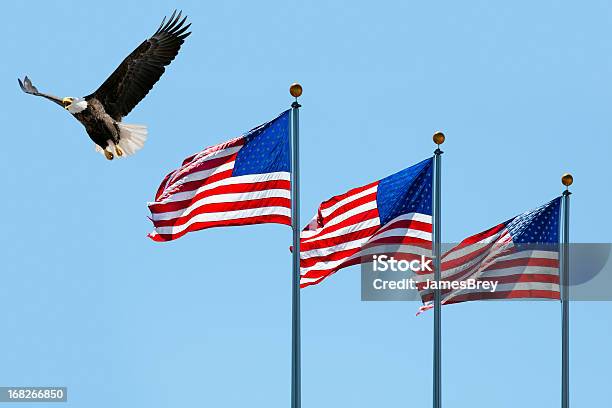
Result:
[{"x": 67, "y": 102}]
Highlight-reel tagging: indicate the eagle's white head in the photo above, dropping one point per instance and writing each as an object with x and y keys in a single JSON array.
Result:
[{"x": 74, "y": 105}]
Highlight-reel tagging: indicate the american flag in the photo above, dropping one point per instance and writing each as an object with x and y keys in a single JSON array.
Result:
[
  {"x": 520, "y": 255},
  {"x": 393, "y": 211},
  {"x": 243, "y": 181}
]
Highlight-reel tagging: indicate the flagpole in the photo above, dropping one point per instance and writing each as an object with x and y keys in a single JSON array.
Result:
[
  {"x": 567, "y": 181},
  {"x": 438, "y": 138},
  {"x": 296, "y": 91}
]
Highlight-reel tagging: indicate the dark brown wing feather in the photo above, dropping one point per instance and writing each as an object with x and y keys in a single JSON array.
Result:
[{"x": 140, "y": 70}]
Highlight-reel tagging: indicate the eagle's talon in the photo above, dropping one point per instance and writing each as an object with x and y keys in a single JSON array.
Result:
[
  {"x": 119, "y": 151},
  {"x": 108, "y": 155}
]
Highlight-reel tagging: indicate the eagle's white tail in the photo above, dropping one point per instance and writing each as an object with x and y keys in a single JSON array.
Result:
[{"x": 131, "y": 139}]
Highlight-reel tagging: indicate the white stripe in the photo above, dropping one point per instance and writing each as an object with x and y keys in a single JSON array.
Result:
[
  {"x": 203, "y": 174},
  {"x": 222, "y": 198},
  {"x": 199, "y": 161},
  {"x": 249, "y": 178},
  {"x": 332, "y": 249},
  {"x": 497, "y": 273},
  {"x": 476, "y": 246},
  {"x": 310, "y": 232},
  {"x": 462, "y": 267},
  {"x": 483, "y": 260},
  {"x": 327, "y": 265},
  {"x": 424, "y": 218},
  {"x": 402, "y": 232},
  {"x": 373, "y": 222},
  {"x": 326, "y": 212},
  {"x": 371, "y": 205},
  {"x": 520, "y": 270},
  {"x": 364, "y": 252},
  {"x": 224, "y": 216},
  {"x": 306, "y": 235},
  {"x": 506, "y": 287},
  {"x": 208, "y": 155},
  {"x": 377, "y": 249},
  {"x": 304, "y": 280},
  {"x": 325, "y": 251},
  {"x": 530, "y": 253}
]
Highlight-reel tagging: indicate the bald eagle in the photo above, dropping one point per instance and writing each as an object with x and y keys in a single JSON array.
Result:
[{"x": 102, "y": 111}]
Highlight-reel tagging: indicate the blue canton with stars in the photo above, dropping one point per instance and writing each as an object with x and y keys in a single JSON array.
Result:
[
  {"x": 405, "y": 192},
  {"x": 267, "y": 148},
  {"x": 538, "y": 226}
]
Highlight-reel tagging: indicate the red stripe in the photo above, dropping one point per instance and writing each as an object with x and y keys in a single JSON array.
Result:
[
  {"x": 370, "y": 198},
  {"x": 462, "y": 273},
  {"x": 194, "y": 185},
  {"x": 224, "y": 207},
  {"x": 157, "y": 208},
  {"x": 352, "y": 220},
  {"x": 420, "y": 242},
  {"x": 496, "y": 264},
  {"x": 545, "y": 262},
  {"x": 474, "y": 239},
  {"x": 336, "y": 199},
  {"x": 477, "y": 252},
  {"x": 192, "y": 163},
  {"x": 342, "y": 239},
  {"x": 475, "y": 259},
  {"x": 513, "y": 294},
  {"x": 162, "y": 186},
  {"x": 513, "y": 278},
  {"x": 262, "y": 219},
  {"x": 409, "y": 224},
  {"x": 208, "y": 164},
  {"x": 324, "y": 273},
  {"x": 335, "y": 256},
  {"x": 199, "y": 165},
  {"x": 305, "y": 285},
  {"x": 522, "y": 277}
]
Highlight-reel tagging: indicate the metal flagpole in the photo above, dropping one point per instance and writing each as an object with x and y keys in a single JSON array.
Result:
[
  {"x": 438, "y": 138},
  {"x": 296, "y": 91},
  {"x": 567, "y": 181}
]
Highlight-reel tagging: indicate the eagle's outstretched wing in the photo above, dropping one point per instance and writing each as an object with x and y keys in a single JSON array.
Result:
[
  {"x": 140, "y": 70},
  {"x": 27, "y": 87}
]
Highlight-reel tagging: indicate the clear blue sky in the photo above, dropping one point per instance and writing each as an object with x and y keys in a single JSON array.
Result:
[{"x": 522, "y": 90}]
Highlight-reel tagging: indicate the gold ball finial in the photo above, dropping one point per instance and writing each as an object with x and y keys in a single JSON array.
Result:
[
  {"x": 567, "y": 179},
  {"x": 439, "y": 138},
  {"x": 296, "y": 90}
]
